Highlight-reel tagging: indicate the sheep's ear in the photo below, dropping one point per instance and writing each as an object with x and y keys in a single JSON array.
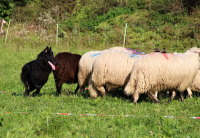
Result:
[
  {"x": 194, "y": 51},
  {"x": 199, "y": 54},
  {"x": 46, "y": 49},
  {"x": 157, "y": 50}
]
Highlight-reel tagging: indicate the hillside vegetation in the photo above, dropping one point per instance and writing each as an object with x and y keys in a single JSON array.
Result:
[
  {"x": 95, "y": 12},
  {"x": 174, "y": 24}
]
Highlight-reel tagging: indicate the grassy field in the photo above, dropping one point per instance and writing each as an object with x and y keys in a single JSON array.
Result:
[{"x": 41, "y": 120}]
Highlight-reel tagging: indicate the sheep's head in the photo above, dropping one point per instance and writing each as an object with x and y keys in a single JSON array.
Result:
[{"x": 158, "y": 50}]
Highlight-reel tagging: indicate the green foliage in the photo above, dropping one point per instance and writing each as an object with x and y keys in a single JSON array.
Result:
[
  {"x": 92, "y": 13},
  {"x": 143, "y": 37},
  {"x": 138, "y": 4},
  {"x": 109, "y": 16},
  {"x": 140, "y": 17},
  {"x": 6, "y": 7},
  {"x": 22, "y": 2},
  {"x": 168, "y": 18},
  {"x": 1, "y": 122}
]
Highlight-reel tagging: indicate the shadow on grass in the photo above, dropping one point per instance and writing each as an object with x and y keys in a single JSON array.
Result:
[
  {"x": 117, "y": 93},
  {"x": 120, "y": 94}
]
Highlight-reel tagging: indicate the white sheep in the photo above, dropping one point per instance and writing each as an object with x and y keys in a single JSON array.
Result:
[
  {"x": 110, "y": 70},
  {"x": 157, "y": 72},
  {"x": 86, "y": 61},
  {"x": 196, "y": 83},
  {"x": 194, "y": 49},
  {"x": 194, "y": 87},
  {"x": 85, "y": 68}
]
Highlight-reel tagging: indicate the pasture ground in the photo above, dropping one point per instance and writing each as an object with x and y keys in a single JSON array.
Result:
[{"x": 40, "y": 122}]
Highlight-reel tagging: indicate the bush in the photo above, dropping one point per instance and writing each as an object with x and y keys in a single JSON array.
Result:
[{"x": 109, "y": 16}]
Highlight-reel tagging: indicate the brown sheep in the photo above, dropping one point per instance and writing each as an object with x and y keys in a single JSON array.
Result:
[{"x": 66, "y": 69}]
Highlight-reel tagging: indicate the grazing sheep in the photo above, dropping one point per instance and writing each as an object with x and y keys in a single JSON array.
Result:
[
  {"x": 66, "y": 70},
  {"x": 196, "y": 83},
  {"x": 173, "y": 93},
  {"x": 110, "y": 70},
  {"x": 193, "y": 49},
  {"x": 194, "y": 87},
  {"x": 157, "y": 72},
  {"x": 85, "y": 68},
  {"x": 164, "y": 51},
  {"x": 86, "y": 61}
]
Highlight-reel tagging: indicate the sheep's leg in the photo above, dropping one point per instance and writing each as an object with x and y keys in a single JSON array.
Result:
[
  {"x": 150, "y": 96},
  {"x": 156, "y": 94},
  {"x": 167, "y": 94},
  {"x": 189, "y": 92},
  {"x": 173, "y": 95},
  {"x": 197, "y": 94},
  {"x": 93, "y": 91},
  {"x": 27, "y": 91},
  {"x": 58, "y": 87},
  {"x": 182, "y": 97},
  {"x": 102, "y": 90},
  {"x": 77, "y": 88},
  {"x": 81, "y": 90},
  {"x": 135, "y": 97},
  {"x": 153, "y": 97},
  {"x": 36, "y": 92}
]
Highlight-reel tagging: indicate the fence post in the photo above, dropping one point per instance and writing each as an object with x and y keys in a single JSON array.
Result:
[
  {"x": 125, "y": 35},
  {"x": 57, "y": 34},
  {"x": 7, "y": 30}
]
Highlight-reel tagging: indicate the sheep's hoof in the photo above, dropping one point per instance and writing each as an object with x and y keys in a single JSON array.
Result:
[
  {"x": 25, "y": 95},
  {"x": 169, "y": 100},
  {"x": 166, "y": 102},
  {"x": 181, "y": 100},
  {"x": 132, "y": 100},
  {"x": 135, "y": 103}
]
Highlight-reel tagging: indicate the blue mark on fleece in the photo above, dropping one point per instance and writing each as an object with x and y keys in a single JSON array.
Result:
[
  {"x": 134, "y": 55},
  {"x": 134, "y": 51},
  {"x": 94, "y": 55}
]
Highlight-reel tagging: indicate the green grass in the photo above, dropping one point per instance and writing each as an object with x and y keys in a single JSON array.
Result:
[{"x": 40, "y": 122}]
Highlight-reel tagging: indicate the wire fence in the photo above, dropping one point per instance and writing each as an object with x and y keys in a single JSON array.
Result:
[{"x": 145, "y": 38}]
